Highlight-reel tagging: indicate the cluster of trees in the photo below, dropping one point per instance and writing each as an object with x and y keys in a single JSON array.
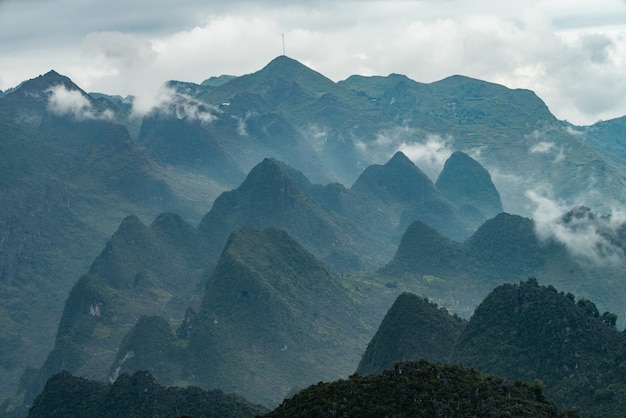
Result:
[{"x": 139, "y": 395}]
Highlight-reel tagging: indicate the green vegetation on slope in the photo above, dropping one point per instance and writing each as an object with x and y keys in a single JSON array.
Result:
[
  {"x": 412, "y": 329},
  {"x": 420, "y": 389},
  {"x": 137, "y": 395},
  {"x": 526, "y": 331},
  {"x": 273, "y": 318}
]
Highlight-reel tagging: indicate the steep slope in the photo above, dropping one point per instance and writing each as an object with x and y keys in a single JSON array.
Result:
[
  {"x": 421, "y": 389},
  {"x": 412, "y": 329},
  {"x": 526, "y": 331},
  {"x": 150, "y": 345},
  {"x": 136, "y": 395},
  {"x": 272, "y": 319},
  {"x": 468, "y": 186},
  {"x": 260, "y": 113},
  {"x": 141, "y": 271}
]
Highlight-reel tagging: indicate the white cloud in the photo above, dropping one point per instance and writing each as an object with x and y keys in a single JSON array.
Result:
[
  {"x": 587, "y": 237},
  {"x": 177, "y": 105},
  {"x": 64, "y": 102},
  {"x": 542, "y": 147},
  {"x": 428, "y": 152},
  {"x": 429, "y": 156},
  {"x": 548, "y": 148}
]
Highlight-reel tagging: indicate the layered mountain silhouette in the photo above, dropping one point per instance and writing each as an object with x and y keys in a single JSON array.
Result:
[
  {"x": 74, "y": 165},
  {"x": 268, "y": 197},
  {"x": 404, "y": 187},
  {"x": 507, "y": 249},
  {"x": 270, "y": 312},
  {"x": 142, "y": 270},
  {"x": 68, "y": 175},
  {"x": 151, "y": 270}
]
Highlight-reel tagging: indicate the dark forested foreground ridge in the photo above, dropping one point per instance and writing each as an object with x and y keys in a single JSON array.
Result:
[
  {"x": 421, "y": 389},
  {"x": 526, "y": 331},
  {"x": 137, "y": 396}
]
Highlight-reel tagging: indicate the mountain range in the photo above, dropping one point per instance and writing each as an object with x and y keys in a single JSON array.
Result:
[{"x": 174, "y": 190}]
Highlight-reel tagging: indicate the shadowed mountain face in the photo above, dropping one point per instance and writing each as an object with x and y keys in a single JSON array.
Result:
[
  {"x": 145, "y": 271},
  {"x": 269, "y": 198},
  {"x": 520, "y": 331},
  {"x": 526, "y": 331},
  {"x": 134, "y": 395},
  {"x": 142, "y": 270},
  {"x": 468, "y": 186},
  {"x": 507, "y": 249},
  {"x": 404, "y": 191},
  {"x": 68, "y": 175},
  {"x": 272, "y": 311},
  {"x": 412, "y": 329}
]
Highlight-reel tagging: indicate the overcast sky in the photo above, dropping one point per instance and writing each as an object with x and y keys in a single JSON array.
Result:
[{"x": 571, "y": 53}]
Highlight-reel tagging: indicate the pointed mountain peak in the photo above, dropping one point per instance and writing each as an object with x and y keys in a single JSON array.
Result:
[
  {"x": 401, "y": 160},
  {"x": 249, "y": 242},
  {"x": 423, "y": 249},
  {"x": 283, "y": 62},
  {"x": 281, "y": 71},
  {"x": 45, "y": 82},
  {"x": 290, "y": 69},
  {"x": 467, "y": 185},
  {"x": 398, "y": 179},
  {"x": 130, "y": 225},
  {"x": 55, "y": 93},
  {"x": 266, "y": 172},
  {"x": 413, "y": 328}
]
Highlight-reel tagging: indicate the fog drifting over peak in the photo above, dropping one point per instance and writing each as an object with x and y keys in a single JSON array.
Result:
[
  {"x": 588, "y": 237},
  {"x": 64, "y": 102}
]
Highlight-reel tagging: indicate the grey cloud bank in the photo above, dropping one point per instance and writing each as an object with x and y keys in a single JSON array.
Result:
[{"x": 570, "y": 53}]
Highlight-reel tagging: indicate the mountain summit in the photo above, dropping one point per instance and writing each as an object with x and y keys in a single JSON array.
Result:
[{"x": 468, "y": 186}]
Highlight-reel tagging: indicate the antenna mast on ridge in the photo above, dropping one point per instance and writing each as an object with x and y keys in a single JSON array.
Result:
[{"x": 283, "y": 44}]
